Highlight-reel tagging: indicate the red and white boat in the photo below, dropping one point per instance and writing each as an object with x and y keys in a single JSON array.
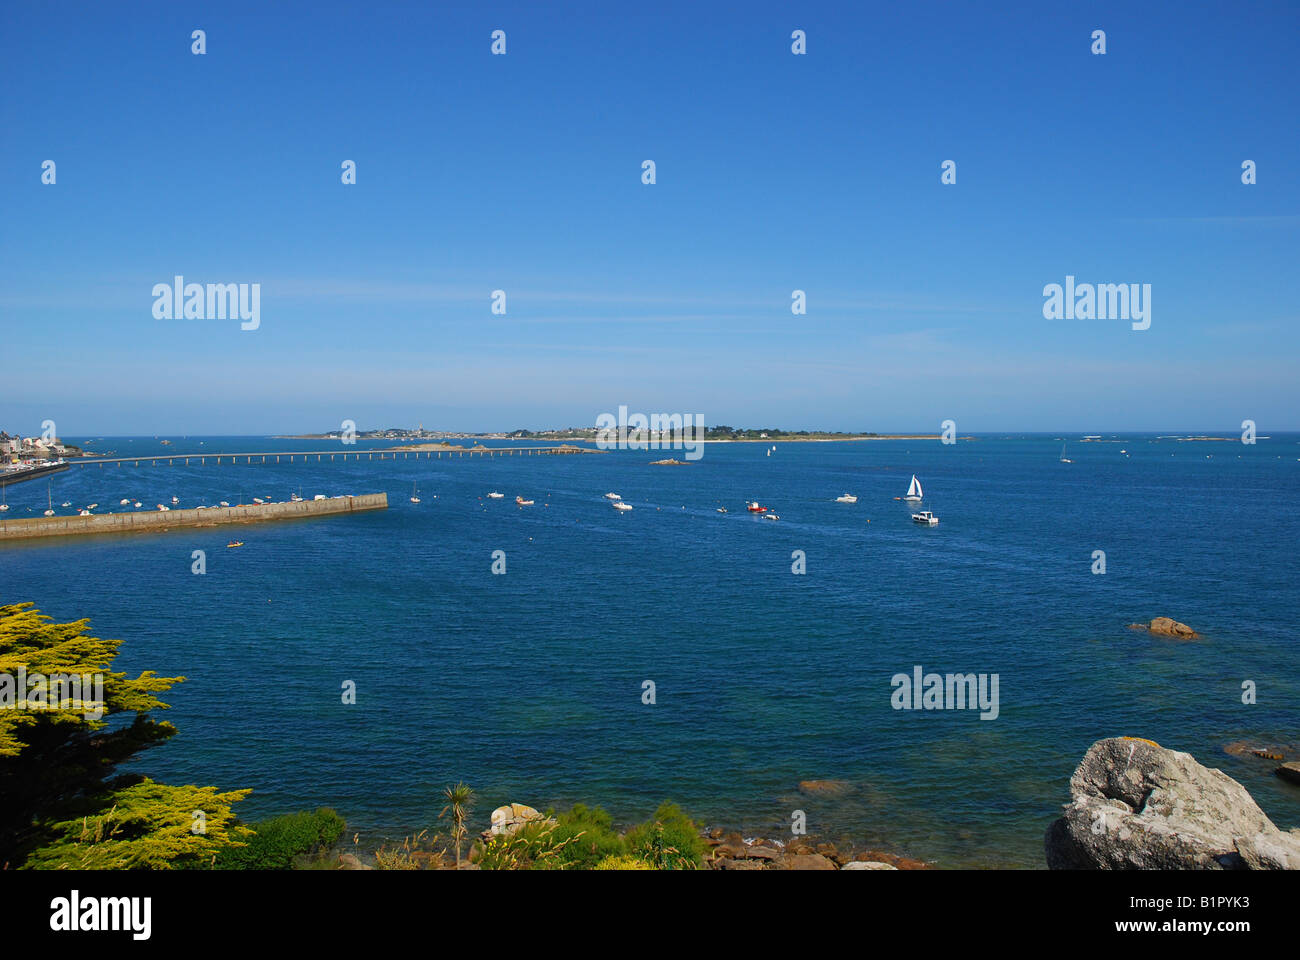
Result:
[
  {"x": 753, "y": 507},
  {"x": 522, "y": 502}
]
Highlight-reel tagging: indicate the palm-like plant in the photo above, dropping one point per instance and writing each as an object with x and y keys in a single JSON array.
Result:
[{"x": 460, "y": 799}]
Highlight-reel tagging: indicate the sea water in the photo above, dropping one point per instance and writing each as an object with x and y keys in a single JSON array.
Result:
[{"x": 530, "y": 685}]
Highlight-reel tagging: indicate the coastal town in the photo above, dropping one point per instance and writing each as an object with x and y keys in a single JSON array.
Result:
[{"x": 25, "y": 458}]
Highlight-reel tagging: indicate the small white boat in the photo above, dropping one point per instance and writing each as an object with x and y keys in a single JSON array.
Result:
[
  {"x": 770, "y": 516},
  {"x": 925, "y": 517},
  {"x": 522, "y": 502},
  {"x": 295, "y": 498},
  {"x": 1064, "y": 458},
  {"x": 620, "y": 505},
  {"x": 176, "y": 499},
  {"x": 136, "y": 504},
  {"x": 124, "y": 501},
  {"x": 163, "y": 507},
  {"x": 89, "y": 506},
  {"x": 83, "y": 513},
  {"x": 914, "y": 494},
  {"x": 320, "y": 496},
  {"x": 258, "y": 500},
  {"x": 49, "y": 513},
  {"x": 612, "y": 496},
  {"x": 722, "y": 509},
  {"x": 414, "y": 490},
  {"x": 847, "y": 498},
  {"x": 224, "y": 503},
  {"x": 66, "y": 503},
  {"x": 496, "y": 496}
]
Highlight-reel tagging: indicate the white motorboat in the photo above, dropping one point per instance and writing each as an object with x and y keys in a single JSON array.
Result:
[
  {"x": 522, "y": 502},
  {"x": 496, "y": 496},
  {"x": 914, "y": 494},
  {"x": 620, "y": 505},
  {"x": 925, "y": 517},
  {"x": 847, "y": 498},
  {"x": 612, "y": 496},
  {"x": 770, "y": 516}
]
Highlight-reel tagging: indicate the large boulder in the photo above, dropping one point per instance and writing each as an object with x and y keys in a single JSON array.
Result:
[
  {"x": 1137, "y": 806},
  {"x": 1167, "y": 627},
  {"x": 509, "y": 818}
]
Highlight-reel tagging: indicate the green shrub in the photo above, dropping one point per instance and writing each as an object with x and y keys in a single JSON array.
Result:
[
  {"x": 670, "y": 841},
  {"x": 277, "y": 842},
  {"x": 591, "y": 836}
]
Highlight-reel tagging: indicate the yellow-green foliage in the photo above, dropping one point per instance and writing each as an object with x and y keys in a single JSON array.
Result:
[
  {"x": 420, "y": 852},
  {"x": 62, "y": 802},
  {"x": 149, "y": 826},
  {"x": 30, "y": 639},
  {"x": 622, "y": 863}
]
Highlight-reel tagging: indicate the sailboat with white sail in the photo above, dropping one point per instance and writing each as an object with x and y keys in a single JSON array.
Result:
[
  {"x": 1064, "y": 458},
  {"x": 914, "y": 494}
]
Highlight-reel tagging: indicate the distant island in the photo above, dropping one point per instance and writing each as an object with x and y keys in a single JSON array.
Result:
[{"x": 718, "y": 434}]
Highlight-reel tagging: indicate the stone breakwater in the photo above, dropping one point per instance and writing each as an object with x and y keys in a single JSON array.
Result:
[{"x": 151, "y": 521}]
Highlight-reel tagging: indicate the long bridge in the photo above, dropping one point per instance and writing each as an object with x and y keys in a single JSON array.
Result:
[{"x": 293, "y": 456}]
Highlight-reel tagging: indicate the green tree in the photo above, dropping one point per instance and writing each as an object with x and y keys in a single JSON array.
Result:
[
  {"x": 460, "y": 799},
  {"x": 60, "y": 791}
]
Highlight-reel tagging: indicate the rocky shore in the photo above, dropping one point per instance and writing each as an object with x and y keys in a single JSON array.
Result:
[{"x": 731, "y": 851}]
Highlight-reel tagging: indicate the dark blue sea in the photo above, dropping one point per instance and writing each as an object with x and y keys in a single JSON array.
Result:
[{"x": 528, "y": 685}]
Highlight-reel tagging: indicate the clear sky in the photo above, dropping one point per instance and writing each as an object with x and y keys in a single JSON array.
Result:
[{"x": 775, "y": 172}]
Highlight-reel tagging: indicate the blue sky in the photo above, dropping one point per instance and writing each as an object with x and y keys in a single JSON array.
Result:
[{"x": 775, "y": 172}]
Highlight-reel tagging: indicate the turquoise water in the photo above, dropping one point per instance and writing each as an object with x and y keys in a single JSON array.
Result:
[{"x": 528, "y": 685}]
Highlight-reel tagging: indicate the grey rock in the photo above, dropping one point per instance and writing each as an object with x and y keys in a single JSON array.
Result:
[
  {"x": 867, "y": 865},
  {"x": 1138, "y": 806}
]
